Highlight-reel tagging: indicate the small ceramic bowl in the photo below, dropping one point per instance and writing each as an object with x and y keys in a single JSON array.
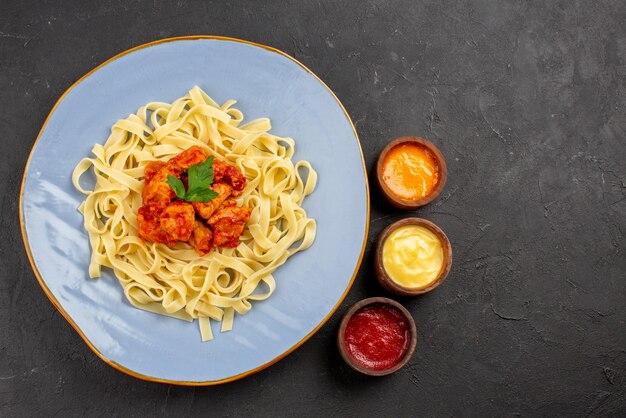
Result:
[
  {"x": 390, "y": 284},
  {"x": 411, "y": 204},
  {"x": 341, "y": 342}
]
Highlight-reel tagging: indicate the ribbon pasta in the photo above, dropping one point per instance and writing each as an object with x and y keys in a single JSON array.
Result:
[{"x": 177, "y": 281}]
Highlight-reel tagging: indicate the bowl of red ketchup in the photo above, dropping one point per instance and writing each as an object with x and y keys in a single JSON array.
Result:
[{"x": 377, "y": 336}]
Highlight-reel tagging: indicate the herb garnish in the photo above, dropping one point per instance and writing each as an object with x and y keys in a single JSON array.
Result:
[{"x": 200, "y": 178}]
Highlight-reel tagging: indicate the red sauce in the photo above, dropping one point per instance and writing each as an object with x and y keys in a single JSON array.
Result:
[{"x": 377, "y": 336}]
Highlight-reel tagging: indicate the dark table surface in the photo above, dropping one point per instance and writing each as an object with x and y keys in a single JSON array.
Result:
[{"x": 527, "y": 101}]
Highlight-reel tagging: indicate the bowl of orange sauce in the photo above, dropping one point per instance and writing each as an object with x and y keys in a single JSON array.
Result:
[{"x": 411, "y": 172}]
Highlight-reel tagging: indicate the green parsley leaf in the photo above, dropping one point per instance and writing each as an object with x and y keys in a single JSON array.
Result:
[
  {"x": 177, "y": 186},
  {"x": 200, "y": 195},
  {"x": 201, "y": 175},
  {"x": 199, "y": 179}
]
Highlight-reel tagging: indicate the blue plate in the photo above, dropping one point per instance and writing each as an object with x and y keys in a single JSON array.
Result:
[{"x": 310, "y": 286}]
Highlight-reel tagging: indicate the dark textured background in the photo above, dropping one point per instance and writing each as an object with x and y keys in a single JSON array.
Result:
[{"x": 527, "y": 100}]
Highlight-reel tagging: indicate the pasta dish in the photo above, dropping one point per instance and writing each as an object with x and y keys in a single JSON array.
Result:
[{"x": 193, "y": 209}]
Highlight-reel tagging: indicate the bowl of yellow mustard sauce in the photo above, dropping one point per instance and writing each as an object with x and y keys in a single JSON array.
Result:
[{"x": 413, "y": 256}]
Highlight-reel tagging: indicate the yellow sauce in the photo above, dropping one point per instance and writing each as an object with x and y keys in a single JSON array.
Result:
[{"x": 413, "y": 256}]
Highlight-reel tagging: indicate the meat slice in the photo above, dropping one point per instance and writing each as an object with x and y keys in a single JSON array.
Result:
[
  {"x": 201, "y": 238},
  {"x": 227, "y": 223},
  {"x": 191, "y": 156},
  {"x": 177, "y": 221},
  {"x": 157, "y": 194},
  {"x": 224, "y": 173},
  {"x": 205, "y": 210},
  {"x": 150, "y": 226},
  {"x": 151, "y": 169}
]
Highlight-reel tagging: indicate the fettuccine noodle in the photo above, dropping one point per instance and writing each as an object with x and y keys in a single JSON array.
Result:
[{"x": 177, "y": 281}]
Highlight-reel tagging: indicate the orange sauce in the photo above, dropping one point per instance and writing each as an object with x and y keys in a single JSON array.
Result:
[{"x": 410, "y": 171}]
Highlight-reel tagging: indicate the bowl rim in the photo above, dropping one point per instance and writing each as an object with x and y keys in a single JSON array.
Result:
[
  {"x": 341, "y": 343},
  {"x": 394, "y": 287},
  {"x": 411, "y": 204}
]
